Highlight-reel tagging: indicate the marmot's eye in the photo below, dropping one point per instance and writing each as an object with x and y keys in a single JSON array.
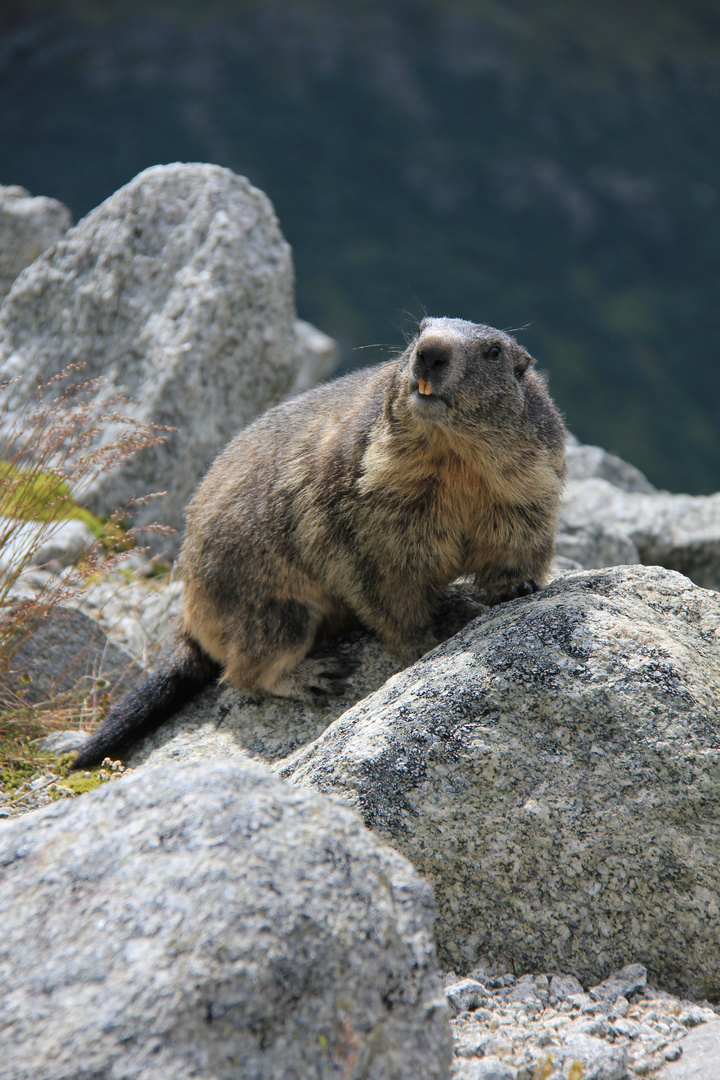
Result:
[{"x": 494, "y": 352}]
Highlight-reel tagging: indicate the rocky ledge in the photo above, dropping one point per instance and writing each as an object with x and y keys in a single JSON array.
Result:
[{"x": 552, "y": 771}]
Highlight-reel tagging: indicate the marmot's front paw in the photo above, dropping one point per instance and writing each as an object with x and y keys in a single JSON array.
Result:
[{"x": 512, "y": 592}]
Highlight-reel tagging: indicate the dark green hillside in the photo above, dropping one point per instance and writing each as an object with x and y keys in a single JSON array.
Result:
[{"x": 554, "y": 166}]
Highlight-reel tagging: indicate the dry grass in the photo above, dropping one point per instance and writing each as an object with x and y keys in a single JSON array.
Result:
[{"x": 51, "y": 451}]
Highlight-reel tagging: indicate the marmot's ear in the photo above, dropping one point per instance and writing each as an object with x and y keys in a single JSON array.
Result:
[{"x": 521, "y": 361}]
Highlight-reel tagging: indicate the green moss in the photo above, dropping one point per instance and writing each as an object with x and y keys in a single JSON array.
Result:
[
  {"x": 80, "y": 782},
  {"x": 14, "y": 773},
  {"x": 21, "y": 762},
  {"x": 40, "y": 496},
  {"x": 19, "y": 756}
]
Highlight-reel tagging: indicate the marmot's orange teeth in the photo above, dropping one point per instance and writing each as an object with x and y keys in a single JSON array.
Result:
[{"x": 424, "y": 387}]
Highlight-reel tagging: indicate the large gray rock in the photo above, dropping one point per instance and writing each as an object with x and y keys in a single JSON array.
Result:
[
  {"x": 67, "y": 651},
  {"x": 554, "y": 771},
  {"x": 680, "y": 532},
  {"x": 589, "y": 544},
  {"x": 211, "y": 921},
  {"x": 612, "y": 515},
  {"x": 585, "y": 462},
  {"x": 28, "y": 227},
  {"x": 178, "y": 290}
]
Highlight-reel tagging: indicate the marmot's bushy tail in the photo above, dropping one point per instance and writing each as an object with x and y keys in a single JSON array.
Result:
[{"x": 182, "y": 674}]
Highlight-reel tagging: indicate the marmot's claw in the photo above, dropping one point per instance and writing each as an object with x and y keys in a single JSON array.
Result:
[
  {"x": 318, "y": 678},
  {"x": 341, "y": 668},
  {"x": 512, "y": 592}
]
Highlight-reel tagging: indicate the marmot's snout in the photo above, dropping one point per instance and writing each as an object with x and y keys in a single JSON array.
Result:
[{"x": 432, "y": 365}]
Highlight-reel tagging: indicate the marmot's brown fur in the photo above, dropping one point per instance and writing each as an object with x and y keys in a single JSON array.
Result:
[{"x": 360, "y": 500}]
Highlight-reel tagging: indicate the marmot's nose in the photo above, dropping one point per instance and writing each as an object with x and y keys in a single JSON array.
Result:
[{"x": 431, "y": 357}]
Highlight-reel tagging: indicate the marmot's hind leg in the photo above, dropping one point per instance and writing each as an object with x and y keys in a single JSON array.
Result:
[{"x": 272, "y": 656}]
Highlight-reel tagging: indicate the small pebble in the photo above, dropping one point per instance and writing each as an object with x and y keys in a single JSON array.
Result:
[{"x": 672, "y": 1053}]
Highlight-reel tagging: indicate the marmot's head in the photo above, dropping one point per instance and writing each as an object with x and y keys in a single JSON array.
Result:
[{"x": 464, "y": 375}]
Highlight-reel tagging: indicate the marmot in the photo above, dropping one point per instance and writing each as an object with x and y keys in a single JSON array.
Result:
[{"x": 359, "y": 501}]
